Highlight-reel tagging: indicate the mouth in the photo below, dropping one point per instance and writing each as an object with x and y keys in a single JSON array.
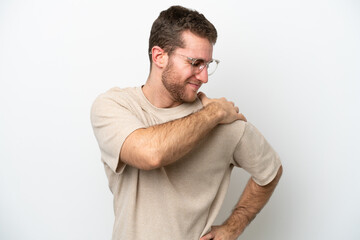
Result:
[{"x": 195, "y": 86}]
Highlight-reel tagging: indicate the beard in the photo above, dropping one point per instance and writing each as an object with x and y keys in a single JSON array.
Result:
[{"x": 176, "y": 88}]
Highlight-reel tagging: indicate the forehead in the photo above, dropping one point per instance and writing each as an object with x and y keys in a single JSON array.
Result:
[{"x": 196, "y": 47}]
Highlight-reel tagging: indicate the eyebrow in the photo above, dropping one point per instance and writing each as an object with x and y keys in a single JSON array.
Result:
[{"x": 202, "y": 59}]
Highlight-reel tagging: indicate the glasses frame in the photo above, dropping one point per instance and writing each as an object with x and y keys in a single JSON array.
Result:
[{"x": 198, "y": 69}]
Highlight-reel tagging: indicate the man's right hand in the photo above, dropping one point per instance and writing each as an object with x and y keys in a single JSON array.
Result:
[{"x": 228, "y": 111}]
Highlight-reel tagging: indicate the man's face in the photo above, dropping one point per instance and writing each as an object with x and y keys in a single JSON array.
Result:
[{"x": 178, "y": 77}]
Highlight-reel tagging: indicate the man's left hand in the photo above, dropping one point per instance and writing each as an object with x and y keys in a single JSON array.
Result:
[{"x": 219, "y": 233}]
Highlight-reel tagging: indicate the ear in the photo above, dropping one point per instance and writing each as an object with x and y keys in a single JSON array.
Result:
[{"x": 159, "y": 57}]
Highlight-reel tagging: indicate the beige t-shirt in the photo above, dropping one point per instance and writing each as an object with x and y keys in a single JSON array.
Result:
[{"x": 180, "y": 200}]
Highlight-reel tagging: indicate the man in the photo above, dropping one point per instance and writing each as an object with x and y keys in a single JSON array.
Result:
[{"x": 168, "y": 150}]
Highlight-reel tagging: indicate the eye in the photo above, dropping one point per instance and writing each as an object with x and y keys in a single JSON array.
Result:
[{"x": 198, "y": 62}]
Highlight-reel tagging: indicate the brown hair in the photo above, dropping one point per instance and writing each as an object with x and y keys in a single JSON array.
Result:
[{"x": 167, "y": 28}]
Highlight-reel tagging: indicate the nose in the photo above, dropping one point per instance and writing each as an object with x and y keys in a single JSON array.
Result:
[{"x": 202, "y": 75}]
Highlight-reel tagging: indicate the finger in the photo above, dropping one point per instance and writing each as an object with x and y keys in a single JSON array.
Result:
[
  {"x": 242, "y": 117},
  {"x": 208, "y": 236},
  {"x": 201, "y": 95}
]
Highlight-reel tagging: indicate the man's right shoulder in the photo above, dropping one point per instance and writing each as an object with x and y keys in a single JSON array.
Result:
[
  {"x": 116, "y": 102},
  {"x": 118, "y": 95},
  {"x": 116, "y": 92}
]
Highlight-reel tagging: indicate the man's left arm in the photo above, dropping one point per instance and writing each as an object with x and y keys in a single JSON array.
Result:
[{"x": 252, "y": 200}]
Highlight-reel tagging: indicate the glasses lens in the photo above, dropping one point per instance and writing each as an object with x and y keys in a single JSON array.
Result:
[{"x": 212, "y": 67}]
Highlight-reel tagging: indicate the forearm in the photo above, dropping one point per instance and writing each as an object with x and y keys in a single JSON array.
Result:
[
  {"x": 175, "y": 139},
  {"x": 166, "y": 143},
  {"x": 251, "y": 202}
]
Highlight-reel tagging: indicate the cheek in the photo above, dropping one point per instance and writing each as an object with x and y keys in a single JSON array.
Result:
[
  {"x": 187, "y": 74},
  {"x": 182, "y": 76},
  {"x": 184, "y": 70},
  {"x": 179, "y": 74}
]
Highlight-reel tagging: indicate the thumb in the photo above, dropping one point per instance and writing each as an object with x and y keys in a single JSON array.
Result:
[
  {"x": 201, "y": 95},
  {"x": 208, "y": 236}
]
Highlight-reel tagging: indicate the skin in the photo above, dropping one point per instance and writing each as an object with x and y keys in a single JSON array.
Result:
[{"x": 172, "y": 82}]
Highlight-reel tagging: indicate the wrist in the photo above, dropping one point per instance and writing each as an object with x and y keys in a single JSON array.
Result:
[
  {"x": 237, "y": 222},
  {"x": 215, "y": 112}
]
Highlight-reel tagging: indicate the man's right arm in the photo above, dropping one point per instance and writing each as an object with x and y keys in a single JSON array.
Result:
[{"x": 160, "y": 145}]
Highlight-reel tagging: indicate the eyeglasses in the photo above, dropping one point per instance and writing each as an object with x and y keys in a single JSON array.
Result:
[{"x": 199, "y": 64}]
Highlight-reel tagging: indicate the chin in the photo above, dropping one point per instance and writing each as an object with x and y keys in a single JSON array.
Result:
[{"x": 190, "y": 99}]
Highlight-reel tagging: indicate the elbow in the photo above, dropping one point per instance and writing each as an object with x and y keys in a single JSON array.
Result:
[
  {"x": 152, "y": 160},
  {"x": 141, "y": 158},
  {"x": 139, "y": 152},
  {"x": 152, "y": 163}
]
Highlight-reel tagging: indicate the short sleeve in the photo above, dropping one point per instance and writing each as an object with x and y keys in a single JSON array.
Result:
[
  {"x": 255, "y": 155},
  {"x": 112, "y": 123}
]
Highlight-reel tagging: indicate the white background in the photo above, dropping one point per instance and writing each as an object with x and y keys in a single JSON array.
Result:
[{"x": 292, "y": 67}]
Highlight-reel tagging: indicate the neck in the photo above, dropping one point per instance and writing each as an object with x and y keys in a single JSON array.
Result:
[{"x": 156, "y": 93}]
